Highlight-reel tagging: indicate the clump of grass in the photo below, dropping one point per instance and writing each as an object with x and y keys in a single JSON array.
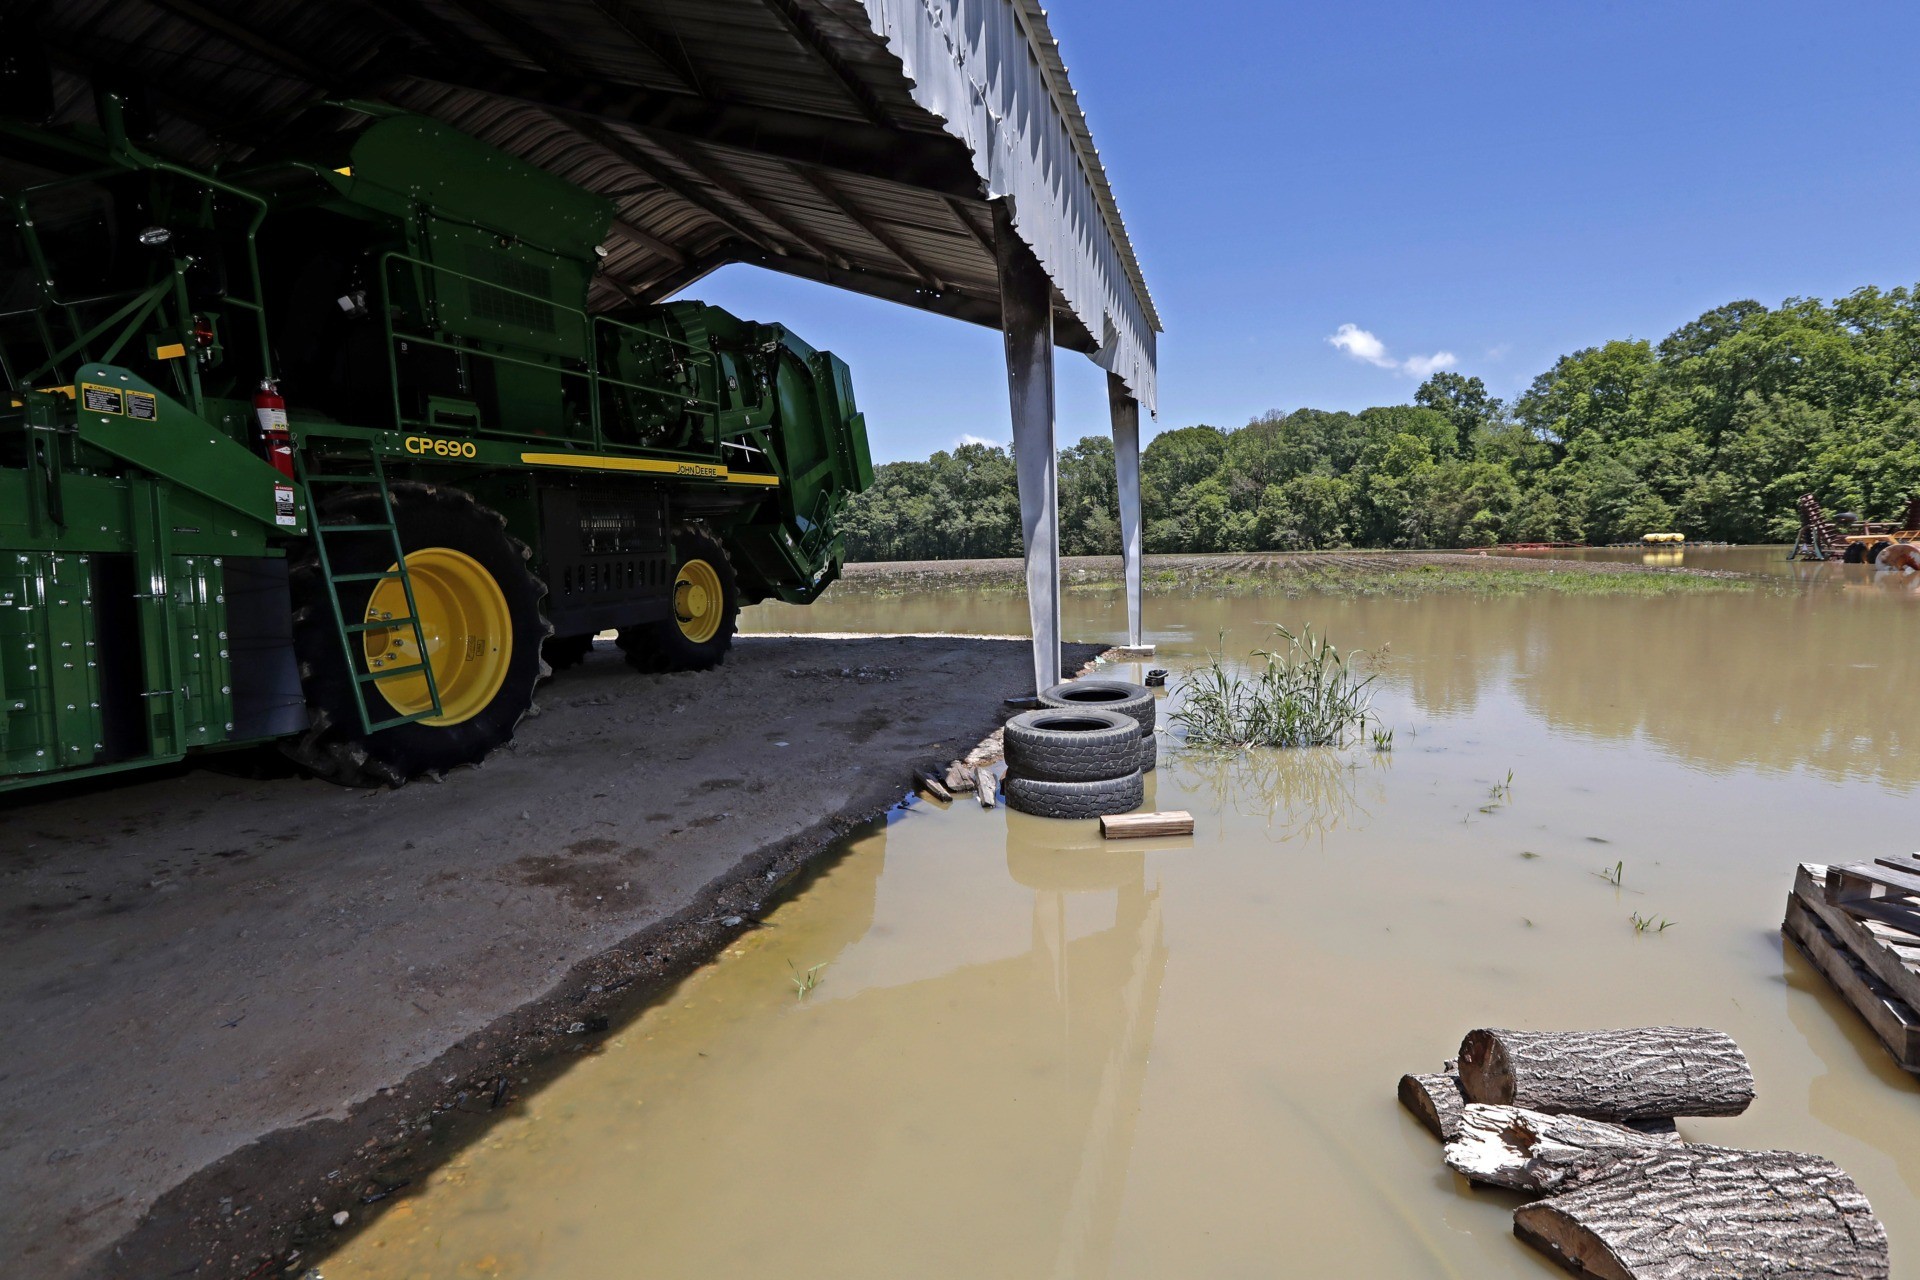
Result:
[
  {"x": 1613, "y": 874},
  {"x": 805, "y": 982},
  {"x": 1305, "y": 694},
  {"x": 1646, "y": 924},
  {"x": 1383, "y": 739}
]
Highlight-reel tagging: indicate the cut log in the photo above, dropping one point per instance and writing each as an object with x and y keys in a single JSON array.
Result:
[
  {"x": 1638, "y": 1073},
  {"x": 1695, "y": 1211},
  {"x": 1435, "y": 1101},
  {"x": 932, "y": 786},
  {"x": 1533, "y": 1151},
  {"x": 1134, "y": 826},
  {"x": 987, "y": 787},
  {"x": 959, "y": 777}
]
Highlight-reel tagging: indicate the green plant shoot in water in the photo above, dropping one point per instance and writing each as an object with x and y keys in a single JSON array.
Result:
[{"x": 1306, "y": 694}]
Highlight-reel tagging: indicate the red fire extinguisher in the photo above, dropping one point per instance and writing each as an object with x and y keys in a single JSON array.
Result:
[{"x": 276, "y": 442}]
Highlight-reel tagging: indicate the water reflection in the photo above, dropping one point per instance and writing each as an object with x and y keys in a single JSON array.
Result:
[{"x": 973, "y": 1089}]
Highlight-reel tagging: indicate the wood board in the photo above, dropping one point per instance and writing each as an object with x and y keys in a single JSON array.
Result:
[
  {"x": 1862, "y": 927},
  {"x": 1893, "y": 1021}
]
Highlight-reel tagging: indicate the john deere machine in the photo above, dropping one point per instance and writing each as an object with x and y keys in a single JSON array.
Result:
[{"x": 327, "y": 452}]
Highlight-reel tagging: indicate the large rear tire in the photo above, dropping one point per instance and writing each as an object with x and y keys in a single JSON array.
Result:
[
  {"x": 480, "y": 613},
  {"x": 703, "y": 614}
]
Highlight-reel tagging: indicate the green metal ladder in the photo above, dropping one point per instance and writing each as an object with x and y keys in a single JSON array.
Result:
[{"x": 373, "y": 479}]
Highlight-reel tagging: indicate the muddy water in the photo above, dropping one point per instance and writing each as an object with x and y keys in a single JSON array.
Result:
[{"x": 1030, "y": 1055}]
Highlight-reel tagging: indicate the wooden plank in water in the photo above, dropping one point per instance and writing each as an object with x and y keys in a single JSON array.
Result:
[
  {"x": 1907, "y": 882},
  {"x": 1132, "y": 826},
  {"x": 1892, "y": 1019},
  {"x": 1891, "y": 965}
]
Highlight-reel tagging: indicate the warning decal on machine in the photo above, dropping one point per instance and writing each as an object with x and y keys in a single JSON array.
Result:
[
  {"x": 95, "y": 398},
  {"x": 283, "y": 504},
  {"x": 143, "y": 405}
]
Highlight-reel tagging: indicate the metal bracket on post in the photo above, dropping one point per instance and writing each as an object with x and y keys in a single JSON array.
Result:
[
  {"x": 1126, "y": 474},
  {"x": 1026, "y": 320}
]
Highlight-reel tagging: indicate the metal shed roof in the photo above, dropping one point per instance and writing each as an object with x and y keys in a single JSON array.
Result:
[{"x": 855, "y": 142}]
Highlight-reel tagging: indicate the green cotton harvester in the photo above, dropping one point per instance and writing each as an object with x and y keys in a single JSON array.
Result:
[{"x": 331, "y": 453}]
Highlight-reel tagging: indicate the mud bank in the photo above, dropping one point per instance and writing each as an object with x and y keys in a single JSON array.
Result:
[{"x": 236, "y": 1008}]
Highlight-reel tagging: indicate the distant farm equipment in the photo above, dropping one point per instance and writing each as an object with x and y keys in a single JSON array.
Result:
[{"x": 1848, "y": 539}]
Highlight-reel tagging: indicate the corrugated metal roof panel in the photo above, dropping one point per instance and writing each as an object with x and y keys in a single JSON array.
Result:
[{"x": 852, "y": 141}]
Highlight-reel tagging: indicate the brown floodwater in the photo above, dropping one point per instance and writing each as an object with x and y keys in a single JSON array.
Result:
[{"x": 1029, "y": 1054}]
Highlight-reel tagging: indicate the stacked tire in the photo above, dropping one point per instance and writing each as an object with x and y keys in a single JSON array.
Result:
[{"x": 1083, "y": 753}]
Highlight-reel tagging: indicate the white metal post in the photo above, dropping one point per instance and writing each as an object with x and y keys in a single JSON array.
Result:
[
  {"x": 1026, "y": 319},
  {"x": 1126, "y": 474}
]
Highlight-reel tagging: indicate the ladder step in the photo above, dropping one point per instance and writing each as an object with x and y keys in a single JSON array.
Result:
[
  {"x": 355, "y": 628},
  {"x": 339, "y": 478},
  {"x": 365, "y": 577},
  {"x": 354, "y": 528},
  {"x": 371, "y": 676}
]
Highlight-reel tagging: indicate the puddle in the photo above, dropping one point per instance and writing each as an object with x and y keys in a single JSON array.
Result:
[{"x": 1031, "y": 1054}]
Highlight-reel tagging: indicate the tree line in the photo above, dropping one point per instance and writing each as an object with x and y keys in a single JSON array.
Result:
[{"x": 1713, "y": 432}]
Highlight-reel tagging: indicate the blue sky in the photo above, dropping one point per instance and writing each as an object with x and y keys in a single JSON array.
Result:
[{"x": 1497, "y": 183}]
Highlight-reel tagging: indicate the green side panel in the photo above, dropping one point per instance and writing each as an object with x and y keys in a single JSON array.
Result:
[
  {"x": 404, "y": 161},
  {"x": 49, "y": 686},
  {"x": 121, "y": 414},
  {"x": 196, "y": 588},
  {"x": 498, "y": 290}
]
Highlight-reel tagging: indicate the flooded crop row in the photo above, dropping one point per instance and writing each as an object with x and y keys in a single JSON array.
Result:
[{"x": 982, "y": 1044}]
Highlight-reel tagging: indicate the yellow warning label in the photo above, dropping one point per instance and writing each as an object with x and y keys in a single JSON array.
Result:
[{"x": 95, "y": 398}]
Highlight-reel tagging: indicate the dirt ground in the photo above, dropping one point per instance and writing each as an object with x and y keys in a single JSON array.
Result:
[{"x": 236, "y": 1008}]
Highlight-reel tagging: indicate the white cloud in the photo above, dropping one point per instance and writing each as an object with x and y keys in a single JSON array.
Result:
[
  {"x": 970, "y": 438},
  {"x": 1424, "y": 367},
  {"x": 1363, "y": 345}
]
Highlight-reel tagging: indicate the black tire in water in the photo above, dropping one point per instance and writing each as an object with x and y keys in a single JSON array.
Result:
[
  {"x": 1149, "y": 753},
  {"x": 1081, "y": 745},
  {"x": 1107, "y": 695},
  {"x": 1873, "y": 552},
  {"x": 705, "y": 610},
  {"x": 1074, "y": 799},
  {"x": 480, "y": 613},
  {"x": 1855, "y": 554}
]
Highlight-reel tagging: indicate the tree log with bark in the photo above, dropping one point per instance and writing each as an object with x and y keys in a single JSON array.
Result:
[
  {"x": 1685, "y": 1212},
  {"x": 1638, "y": 1073},
  {"x": 1533, "y": 1151},
  {"x": 1435, "y": 1101}
]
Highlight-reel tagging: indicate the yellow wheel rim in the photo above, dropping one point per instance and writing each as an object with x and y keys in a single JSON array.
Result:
[
  {"x": 698, "y": 601},
  {"x": 467, "y": 628}
]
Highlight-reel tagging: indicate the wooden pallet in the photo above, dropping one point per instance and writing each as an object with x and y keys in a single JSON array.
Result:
[{"x": 1860, "y": 925}]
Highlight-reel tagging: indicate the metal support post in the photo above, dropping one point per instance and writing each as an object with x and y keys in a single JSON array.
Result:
[
  {"x": 1026, "y": 319},
  {"x": 1126, "y": 474}
]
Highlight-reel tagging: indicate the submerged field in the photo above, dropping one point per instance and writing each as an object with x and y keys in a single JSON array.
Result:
[
  {"x": 1346, "y": 573},
  {"x": 984, "y": 1044}
]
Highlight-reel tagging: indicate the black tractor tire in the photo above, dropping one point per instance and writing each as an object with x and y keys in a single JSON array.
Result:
[
  {"x": 1074, "y": 799},
  {"x": 1081, "y": 745},
  {"x": 1149, "y": 753},
  {"x": 335, "y": 747},
  {"x": 1855, "y": 554},
  {"x": 562, "y": 652},
  {"x": 1873, "y": 552},
  {"x": 663, "y": 645},
  {"x": 1106, "y": 695}
]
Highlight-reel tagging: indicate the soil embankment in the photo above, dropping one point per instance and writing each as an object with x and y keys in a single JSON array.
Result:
[{"x": 237, "y": 1008}]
